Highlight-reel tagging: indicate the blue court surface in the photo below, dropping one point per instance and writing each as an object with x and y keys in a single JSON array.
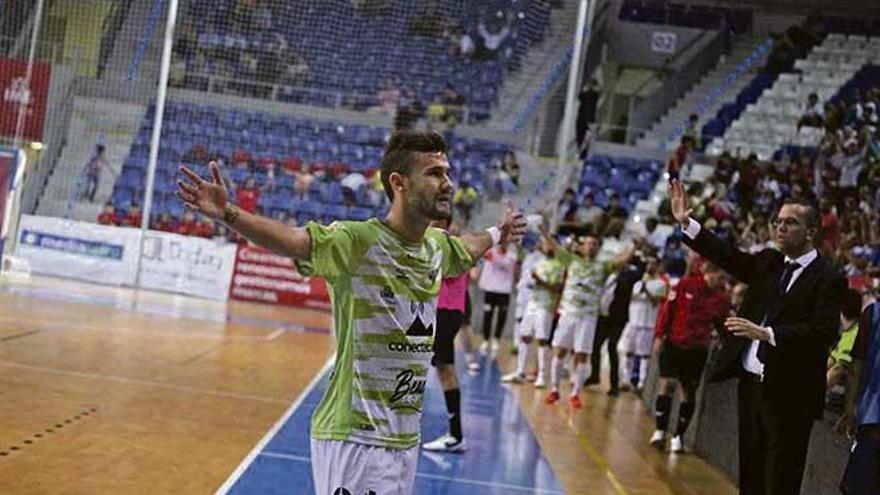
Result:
[{"x": 503, "y": 456}]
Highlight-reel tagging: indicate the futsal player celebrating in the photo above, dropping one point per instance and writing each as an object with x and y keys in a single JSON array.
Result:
[
  {"x": 579, "y": 309},
  {"x": 384, "y": 278}
]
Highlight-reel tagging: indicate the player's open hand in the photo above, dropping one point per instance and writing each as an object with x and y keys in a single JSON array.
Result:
[
  {"x": 209, "y": 198},
  {"x": 512, "y": 224}
]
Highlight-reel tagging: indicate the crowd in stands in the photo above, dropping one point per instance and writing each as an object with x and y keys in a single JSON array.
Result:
[{"x": 269, "y": 49}]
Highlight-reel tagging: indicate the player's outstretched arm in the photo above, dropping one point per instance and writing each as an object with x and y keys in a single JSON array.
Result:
[
  {"x": 510, "y": 228},
  {"x": 211, "y": 199}
]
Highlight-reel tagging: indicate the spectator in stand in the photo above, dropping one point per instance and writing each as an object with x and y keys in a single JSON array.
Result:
[
  {"x": 132, "y": 217},
  {"x": 511, "y": 167},
  {"x": 188, "y": 225},
  {"x": 461, "y": 43},
  {"x": 248, "y": 195},
  {"x": 680, "y": 163},
  {"x": 747, "y": 185},
  {"x": 692, "y": 131},
  {"x": 409, "y": 109},
  {"x": 464, "y": 200},
  {"x": 699, "y": 305},
  {"x": 655, "y": 238},
  {"x": 304, "y": 179},
  {"x": 496, "y": 282},
  {"x": 588, "y": 100},
  {"x": 830, "y": 226},
  {"x": 429, "y": 22},
  {"x": 567, "y": 208},
  {"x": 95, "y": 165},
  {"x": 455, "y": 105},
  {"x": 494, "y": 38},
  {"x": 164, "y": 223},
  {"x": 108, "y": 215},
  {"x": 724, "y": 168},
  {"x": 861, "y": 420},
  {"x": 205, "y": 228},
  {"x": 388, "y": 98},
  {"x": 814, "y": 113},
  {"x": 437, "y": 111},
  {"x": 615, "y": 211}
]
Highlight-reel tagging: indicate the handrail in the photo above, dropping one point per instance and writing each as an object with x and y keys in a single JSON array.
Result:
[{"x": 274, "y": 90}]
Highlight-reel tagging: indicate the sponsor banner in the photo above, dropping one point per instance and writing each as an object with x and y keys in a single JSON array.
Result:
[
  {"x": 14, "y": 92},
  {"x": 187, "y": 265},
  {"x": 266, "y": 277},
  {"x": 84, "y": 251}
]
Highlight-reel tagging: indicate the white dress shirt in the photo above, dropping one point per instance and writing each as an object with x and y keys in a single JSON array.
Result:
[{"x": 750, "y": 361}]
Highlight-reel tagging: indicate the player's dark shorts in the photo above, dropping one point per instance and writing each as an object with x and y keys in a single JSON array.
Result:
[
  {"x": 448, "y": 324},
  {"x": 862, "y": 475},
  {"x": 683, "y": 364}
]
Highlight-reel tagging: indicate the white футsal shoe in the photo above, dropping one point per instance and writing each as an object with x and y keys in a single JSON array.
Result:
[
  {"x": 658, "y": 439},
  {"x": 513, "y": 378},
  {"x": 446, "y": 443},
  {"x": 676, "y": 446}
]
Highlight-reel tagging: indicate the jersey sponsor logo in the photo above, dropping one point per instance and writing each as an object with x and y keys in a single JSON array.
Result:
[
  {"x": 409, "y": 347},
  {"x": 418, "y": 329},
  {"x": 407, "y": 384},
  {"x": 366, "y": 427}
]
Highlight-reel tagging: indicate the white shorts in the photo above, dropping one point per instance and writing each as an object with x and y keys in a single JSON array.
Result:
[
  {"x": 522, "y": 300},
  {"x": 348, "y": 468},
  {"x": 576, "y": 330},
  {"x": 638, "y": 340},
  {"x": 537, "y": 323}
]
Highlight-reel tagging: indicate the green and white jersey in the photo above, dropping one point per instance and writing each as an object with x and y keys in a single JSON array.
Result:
[
  {"x": 551, "y": 271},
  {"x": 584, "y": 282},
  {"x": 384, "y": 293}
]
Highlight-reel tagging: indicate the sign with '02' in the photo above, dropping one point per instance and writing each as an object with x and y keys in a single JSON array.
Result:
[{"x": 664, "y": 42}]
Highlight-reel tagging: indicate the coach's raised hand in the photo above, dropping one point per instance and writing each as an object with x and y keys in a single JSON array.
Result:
[
  {"x": 679, "y": 202},
  {"x": 209, "y": 198}
]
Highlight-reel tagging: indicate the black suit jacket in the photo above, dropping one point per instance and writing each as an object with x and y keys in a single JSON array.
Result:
[{"x": 805, "y": 323}]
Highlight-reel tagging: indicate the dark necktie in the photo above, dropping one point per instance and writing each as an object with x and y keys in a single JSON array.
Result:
[{"x": 790, "y": 267}]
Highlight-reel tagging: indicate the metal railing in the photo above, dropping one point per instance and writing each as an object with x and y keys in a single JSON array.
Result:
[{"x": 289, "y": 93}]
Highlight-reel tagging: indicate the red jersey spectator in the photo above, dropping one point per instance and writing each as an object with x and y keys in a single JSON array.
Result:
[
  {"x": 205, "y": 228},
  {"x": 164, "y": 223},
  {"x": 681, "y": 157},
  {"x": 248, "y": 195},
  {"x": 188, "y": 225},
  {"x": 133, "y": 217},
  {"x": 830, "y": 225},
  {"x": 108, "y": 215}
]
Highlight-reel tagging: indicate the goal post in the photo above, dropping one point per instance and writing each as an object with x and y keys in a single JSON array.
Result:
[{"x": 13, "y": 163}]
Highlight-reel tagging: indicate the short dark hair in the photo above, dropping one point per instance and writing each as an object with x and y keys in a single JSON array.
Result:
[
  {"x": 402, "y": 151},
  {"x": 814, "y": 219}
]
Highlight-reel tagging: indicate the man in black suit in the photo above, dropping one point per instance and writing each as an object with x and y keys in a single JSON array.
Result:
[{"x": 778, "y": 345}]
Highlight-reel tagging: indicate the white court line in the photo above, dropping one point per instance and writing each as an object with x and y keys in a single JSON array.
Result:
[
  {"x": 438, "y": 477},
  {"x": 146, "y": 383},
  {"x": 183, "y": 334},
  {"x": 233, "y": 478}
]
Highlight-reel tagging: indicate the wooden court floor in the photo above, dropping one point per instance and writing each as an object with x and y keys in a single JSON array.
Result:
[{"x": 116, "y": 391}]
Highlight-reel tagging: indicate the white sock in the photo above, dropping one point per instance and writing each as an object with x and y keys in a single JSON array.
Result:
[
  {"x": 644, "y": 362},
  {"x": 522, "y": 358},
  {"x": 543, "y": 351},
  {"x": 580, "y": 376},
  {"x": 555, "y": 372}
]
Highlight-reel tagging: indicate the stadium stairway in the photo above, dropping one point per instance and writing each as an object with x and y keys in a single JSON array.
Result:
[
  {"x": 518, "y": 87},
  {"x": 658, "y": 136},
  {"x": 126, "y": 46},
  {"x": 94, "y": 121},
  {"x": 771, "y": 123}
]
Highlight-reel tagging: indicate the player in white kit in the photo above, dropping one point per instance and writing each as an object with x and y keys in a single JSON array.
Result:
[{"x": 647, "y": 295}]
